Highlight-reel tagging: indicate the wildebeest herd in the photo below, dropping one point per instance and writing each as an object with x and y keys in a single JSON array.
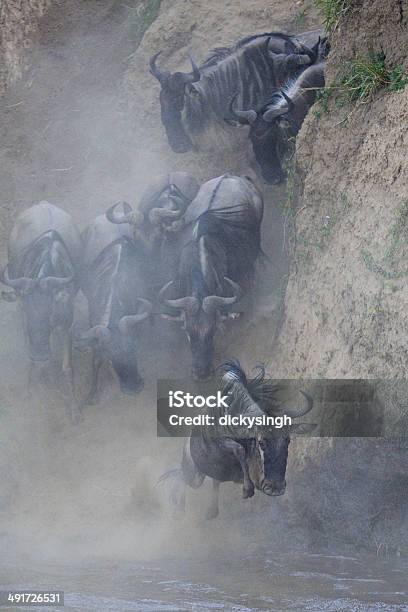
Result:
[{"x": 187, "y": 253}]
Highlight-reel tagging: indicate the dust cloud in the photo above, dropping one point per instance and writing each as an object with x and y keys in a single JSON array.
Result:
[
  {"x": 81, "y": 130},
  {"x": 68, "y": 137}
]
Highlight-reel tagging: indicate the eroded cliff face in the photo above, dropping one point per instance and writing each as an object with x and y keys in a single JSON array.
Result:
[
  {"x": 18, "y": 24},
  {"x": 345, "y": 312},
  {"x": 346, "y": 305}
]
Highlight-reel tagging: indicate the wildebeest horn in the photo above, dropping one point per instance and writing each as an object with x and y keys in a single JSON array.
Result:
[
  {"x": 115, "y": 216},
  {"x": 215, "y": 302},
  {"x": 130, "y": 320},
  {"x": 247, "y": 117},
  {"x": 161, "y": 75},
  {"x": 300, "y": 410},
  {"x": 271, "y": 114},
  {"x": 55, "y": 282},
  {"x": 156, "y": 215},
  {"x": 22, "y": 284},
  {"x": 195, "y": 75},
  {"x": 189, "y": 304}
]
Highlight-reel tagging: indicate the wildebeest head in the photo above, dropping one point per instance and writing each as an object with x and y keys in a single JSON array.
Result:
[
  {"x": 47, "y": 303},
  {"x": 118, "y": 344},
  {"x": 161, "y": 210},
  {"x": 268, "y": 131},
  {"x": 172, "y": 99},
  {"x": 267, "y": 447},
  {"x": 200, "y": 319}
]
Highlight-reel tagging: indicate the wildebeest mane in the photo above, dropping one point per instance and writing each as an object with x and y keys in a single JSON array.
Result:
[
  {"x": 260, "y": 387},
  {"x": 237, "y": 229},
  {"x": 219, "y": 53},
  {"x": 46, "y": 256},
  {"x": 232, "y": 235},
  {"x": 245, "y": 68}
]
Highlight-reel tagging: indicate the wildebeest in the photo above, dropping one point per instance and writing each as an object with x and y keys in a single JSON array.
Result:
[
  {"x": 158, "y": 219},
  {"x": 257, "y": 457},
  {"x": 282, "y": 116},
  {"x": 112, "y": 280},
  {"x": 216, "y": 262},
  {"x": 44, "y": 255},
  {"x": 252, "y": 68}
]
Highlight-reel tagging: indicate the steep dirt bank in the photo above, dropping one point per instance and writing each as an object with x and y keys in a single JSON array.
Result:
[
  {"x": 344, "y": 317},
  {"x": 346, "y": 301},
  {"x": 18, "y": 26}
]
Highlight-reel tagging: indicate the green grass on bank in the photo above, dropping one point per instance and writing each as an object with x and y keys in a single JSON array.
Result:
[
  {"x": 361, "y": 79},
  {"x": 333, "y": 11}
]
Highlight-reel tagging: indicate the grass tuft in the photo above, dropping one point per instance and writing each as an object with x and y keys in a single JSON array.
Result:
[
  {"x": 333, "y": 11},
  {"x": 361, "y": 79},
  {"x": 364, "y": 77}
]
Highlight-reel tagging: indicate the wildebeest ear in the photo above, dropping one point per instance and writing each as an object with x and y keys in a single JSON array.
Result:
[
  {"x": 302, "y": 428},
  {"x": 9, "y": 296}
]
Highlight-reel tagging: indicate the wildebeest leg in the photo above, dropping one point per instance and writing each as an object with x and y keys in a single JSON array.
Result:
[
  {"x": 239, "y": 453},
  {"x": 68, "y": 377},
  {"x": 97, "y": 361},
  {"x": 213, "y": 509}
]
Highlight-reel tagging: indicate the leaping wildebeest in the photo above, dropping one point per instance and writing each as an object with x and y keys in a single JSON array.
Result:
[
  {"x": 216, "y": 262},
  {"x": 113, "y": 282},
  {"x": 44, "y": 255},
  {"x": 281, "y": 117},
  {"x": 253, "y": 68},
  {"x": 255, "y": 457}
]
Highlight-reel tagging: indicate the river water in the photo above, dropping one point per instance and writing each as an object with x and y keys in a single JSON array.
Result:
[{"x": 264, "y": 581}]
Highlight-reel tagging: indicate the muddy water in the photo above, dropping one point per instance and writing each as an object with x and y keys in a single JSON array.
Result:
[{"x": 265, "y": 581}]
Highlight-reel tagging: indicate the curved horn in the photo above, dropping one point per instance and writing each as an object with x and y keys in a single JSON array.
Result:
[
  {"x": 189, "y": 304},
  {"x": 271, "y": 114},
  {"x": 157, "y": 215},
  {"x": 194, "y": 76},
  {"x": 245, "y": 117},
  {"x": 115, "y": 216},
  {"x": 215, "y": 302},
  {"x": 55, "y": 282},
  {"x": 300, "y": 410},
  {"x": 161, "y": 75},
  {"x": 22, "y": 284},
  {"x": 130, "y": 320}
]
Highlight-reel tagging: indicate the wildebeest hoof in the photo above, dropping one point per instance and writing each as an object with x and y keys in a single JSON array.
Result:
[
  {"x": 248, "y": 491},
  {"x": 211, "y": 513}
]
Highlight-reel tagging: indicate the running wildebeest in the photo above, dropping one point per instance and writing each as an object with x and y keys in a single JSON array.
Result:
[
  {"x": 216, "y": 262},
  {"x": 282, "y": 116},
  {"x": 252, "y": 68},
  {"x": 158, "y": 220},
  {"x": 113, "y": 282},
  {"x": 44, "y": 255},
  {"x": 257, "y": 458}
]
